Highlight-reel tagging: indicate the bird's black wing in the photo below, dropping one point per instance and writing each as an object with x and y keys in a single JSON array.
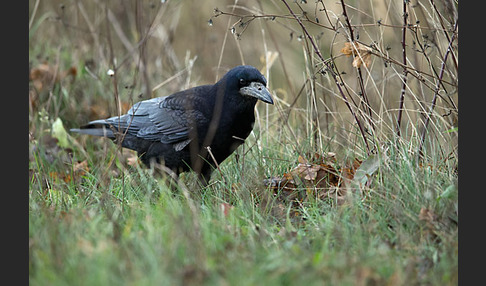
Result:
[
  {"x": 171, "y": 118},
  {"x": 166, "y": 119}
]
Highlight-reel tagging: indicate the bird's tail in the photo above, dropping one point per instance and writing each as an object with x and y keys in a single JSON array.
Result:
[{"x": 96, "y": 128}]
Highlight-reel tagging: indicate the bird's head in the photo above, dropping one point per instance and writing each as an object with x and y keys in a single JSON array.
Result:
[{"x": 249, "y": 82}]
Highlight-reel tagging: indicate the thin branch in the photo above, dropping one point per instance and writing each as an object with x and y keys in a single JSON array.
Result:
[
  {"x": 360, "y": 76},
  {"x": 219, "y": 12},
  {"x": 405, "y": 72},
  {"x": 427, "y": 58},
  {"x": 437, "y": 88},
  {"x": 454, "y": 60},
  {"x": 418, "y": 76},
  {"x": 331, "y": 71}
]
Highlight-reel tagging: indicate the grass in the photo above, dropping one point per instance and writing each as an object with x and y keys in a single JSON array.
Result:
[
  {"x": 135, "y": 230},
  {"x": 96, "y": 219}
]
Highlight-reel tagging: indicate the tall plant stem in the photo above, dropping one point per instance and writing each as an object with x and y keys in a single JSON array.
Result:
[
  {"x": 360, "y": 76},
  {"x": 404, "y": 74},
  {"x": 436, "y": 93},
  {"x": 329, "y": 67}
]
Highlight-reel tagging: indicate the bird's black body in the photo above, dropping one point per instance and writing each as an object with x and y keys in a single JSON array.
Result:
[{"x": 175, "y": 130}]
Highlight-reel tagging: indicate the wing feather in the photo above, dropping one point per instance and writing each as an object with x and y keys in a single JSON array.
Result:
[{"x": 166, "y": 119}]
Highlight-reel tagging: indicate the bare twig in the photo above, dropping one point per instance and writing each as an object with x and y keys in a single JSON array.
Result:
[
  {"x": 432, "y": 106},
  {"x": 360, "y": 76},
  {"x": 419, "y": 74},
  {"x": 326, "y": 13},
  {"x": 423, "y": 50},
  {"x": 444, "y": 30},
  {"x": 331, "y": 71},
  {"x": 405, "y": 72}
]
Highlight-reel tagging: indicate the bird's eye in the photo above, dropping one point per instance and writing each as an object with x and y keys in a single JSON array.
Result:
[{"x": 242, "y": 81}]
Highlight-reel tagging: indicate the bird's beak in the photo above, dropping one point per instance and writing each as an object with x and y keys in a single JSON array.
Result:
[{"x": 257, "y": 90}]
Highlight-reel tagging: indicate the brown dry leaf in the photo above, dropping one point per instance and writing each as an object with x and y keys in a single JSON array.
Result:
[
  {"x": 55, "y": 176},
  {"x": 427, "y": 215},
  {"x": 347, "y": 49},
  {"x": 67, "y": 178},
  {"x": 358, "y": 61},
  {"x": 329, "y": 157},
  {"x": 322, "y": 179},
  {"x": 44, "y": 74},
  {"x": 431, "y": 221},
  {"x": 361, "y": 53},
  {"x": 348, "y": 172},
  {"x": 81, "y": 166},
  {"x": 301, "y": 160},
  {"x": 306, "y": 172},
  {"x": 78, "y": 169}
]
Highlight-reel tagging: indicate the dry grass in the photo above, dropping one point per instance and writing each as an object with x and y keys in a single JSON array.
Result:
[{"x": 147, "y": 44}]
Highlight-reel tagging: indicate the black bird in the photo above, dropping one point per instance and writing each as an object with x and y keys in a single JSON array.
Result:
[{"x": 177, "y": 129}]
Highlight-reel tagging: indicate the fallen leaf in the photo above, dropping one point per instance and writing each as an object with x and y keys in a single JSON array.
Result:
[
  {"x": 322, "y": 179},
  {"x": 80, "y": 168},
  {"x": 307, "y": 172},
  {"x": 427, "y": 215},
  {"x": 301, "y": 160},
  {"x": 44, "y": 75},
  {"x": 431, "y": 222},
  {"x": 60, "y": 133},
  {"x": 360, "y": 52}
]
